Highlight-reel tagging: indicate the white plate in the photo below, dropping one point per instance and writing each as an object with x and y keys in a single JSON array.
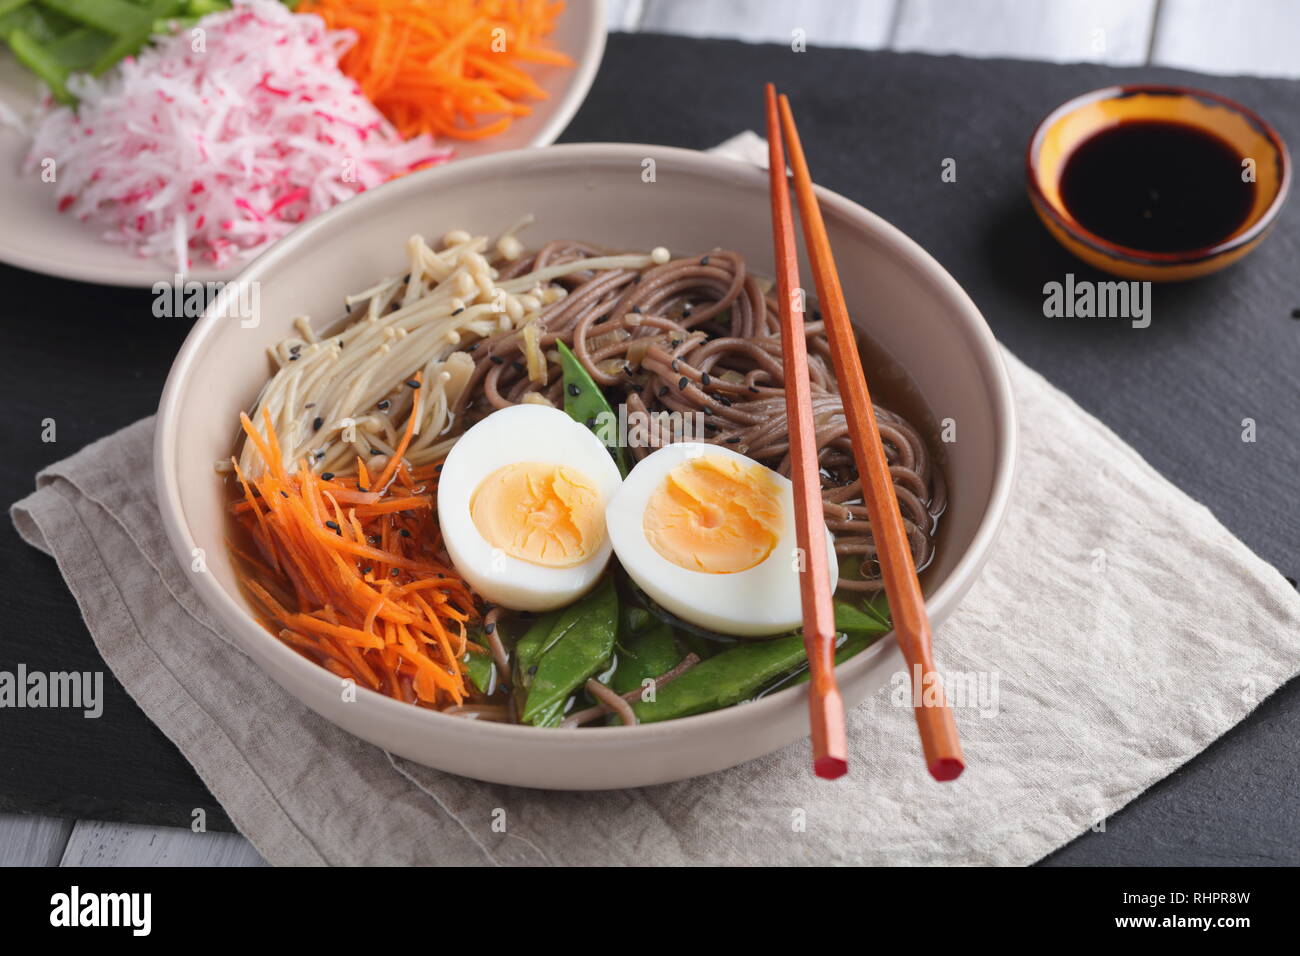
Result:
[{"x": 34, "y": 235}]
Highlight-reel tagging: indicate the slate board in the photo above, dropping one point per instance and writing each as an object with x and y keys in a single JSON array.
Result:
[{"x": 877, "y": 127}]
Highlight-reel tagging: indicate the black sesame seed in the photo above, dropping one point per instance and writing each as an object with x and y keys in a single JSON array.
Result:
[
  {"x": 636, "y": 309},
  {"x": 320, "y": 455},
  {"x": 332, "y": 524},
  {"x": 677, "y": 364},
  {"x": 682, "y": 383},
  {"x": 574, "y": 390},
  {"x": 363, "y": 490},
  {"x": 497, "y": 360},
  {"x": 310, "y": 405},
  {"x": 412, "y": 383},
  {"x": 374, "y": 539},
  {"x": 393, "y": 572},
  {"x": 754, "y": 389},
  {"x": 367, "y": 569},
  {"x": 472, "y": 347},
  {"x": 590, "y": 423},
  {"x": 284, "y": 494},
  {"x": 459, "y": 311},
  {"x": 706, "y": 410},
  {"x": 663, "y": 391},
  {"x": 384, "y": 405},
  {"x": 704, "y": 378},
  {"x": 686, "y": 309},
  {"x": 724, "y": 400},
  {"x": 734, "y": 439},
  {"x": 438, "y": 467},
  {"x": 704, "y": 261},
  {"x": 293, "y": 358},
  {"x": 375, "y": 451},
  {"x": 340, "y": 343},
  {"x": 404, "y": 533},
  {"x": 637, "y": 387},
  {"x": 317, "y": 423},
  {"x": 490, "y": 627},
  {"x": 327, "y": 476}
]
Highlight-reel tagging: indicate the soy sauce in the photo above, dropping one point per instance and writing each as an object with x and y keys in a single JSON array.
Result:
[{"x": 1157, "y": 186}]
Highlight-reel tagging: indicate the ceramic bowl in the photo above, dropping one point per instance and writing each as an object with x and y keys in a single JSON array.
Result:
[
  {"x": 598, "y": 193},
  {"x": 1070, "y": 124}
]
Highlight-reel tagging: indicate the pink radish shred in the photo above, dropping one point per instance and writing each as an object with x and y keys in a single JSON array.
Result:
[{"x": 208, "y": 150}]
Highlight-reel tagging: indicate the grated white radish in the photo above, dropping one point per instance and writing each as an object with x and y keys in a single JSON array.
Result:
[{"x": 221, "y": 138}]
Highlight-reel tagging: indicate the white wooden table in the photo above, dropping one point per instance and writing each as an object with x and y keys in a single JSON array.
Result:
[{"x": 1214, "y": 36}]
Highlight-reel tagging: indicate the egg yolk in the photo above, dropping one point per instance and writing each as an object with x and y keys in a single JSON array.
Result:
[
  {"x": 545, "y": 514},
  {"x": 714, "y": 514}
]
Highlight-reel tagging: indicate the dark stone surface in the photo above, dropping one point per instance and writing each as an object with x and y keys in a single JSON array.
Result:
[{"x": 876, "y": 127}]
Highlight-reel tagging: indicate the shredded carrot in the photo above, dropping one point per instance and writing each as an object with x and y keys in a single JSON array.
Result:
[
  {"x": 356, "y": 581},
  {"x": 446, "y": 67}
]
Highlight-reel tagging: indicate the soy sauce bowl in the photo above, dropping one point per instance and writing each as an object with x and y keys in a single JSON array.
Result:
[{"x": 1073, "y": 123}]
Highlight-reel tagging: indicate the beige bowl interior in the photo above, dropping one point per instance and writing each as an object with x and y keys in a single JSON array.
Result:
[{"x": 597, "y": 193}]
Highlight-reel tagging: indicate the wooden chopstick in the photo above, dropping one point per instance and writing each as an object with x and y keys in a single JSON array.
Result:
[
  {"x": 934, "y": 720},
  {"x": 825, "y": 705}
]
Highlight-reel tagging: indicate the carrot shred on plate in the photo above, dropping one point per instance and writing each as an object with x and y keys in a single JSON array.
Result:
[
  {"x": 452, "y": 68},
  {"x": 356, "y": 581}
]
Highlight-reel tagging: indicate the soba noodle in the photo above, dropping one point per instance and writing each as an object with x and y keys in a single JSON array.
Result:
[{"x": 691, "y": 335}]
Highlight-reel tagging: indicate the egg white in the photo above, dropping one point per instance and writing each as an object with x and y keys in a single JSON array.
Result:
[
  {"x": 520, "y": 433},
  {"x": 759, "y": 601}
]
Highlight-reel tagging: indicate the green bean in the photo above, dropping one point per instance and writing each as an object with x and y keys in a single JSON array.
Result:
[
  {"x": 643, "y": 656},
  {"x": 586, "y": 403},
  {"x": 583, "y": 646},
  {"x": 115, "y": 17},
  {"x": 9, "y": 6},
  {"x": 37, "y": 57},
  {"x": 80, "y": 48},
  {"x": 43, "y": 26},
  {"x": 724, "y": 679}
]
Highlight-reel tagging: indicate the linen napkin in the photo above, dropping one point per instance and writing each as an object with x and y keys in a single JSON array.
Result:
[{"x": 1116, "y": 631}]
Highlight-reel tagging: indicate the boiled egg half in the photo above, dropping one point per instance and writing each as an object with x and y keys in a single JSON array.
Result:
[
  {"x": 709, "y": 534},
  {"x": 521, "y": 501}
]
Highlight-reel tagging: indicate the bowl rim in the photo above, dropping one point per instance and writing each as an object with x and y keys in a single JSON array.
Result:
[
  {"x": 978, "y": 337},
  {"x": 1066, "y": 222}
]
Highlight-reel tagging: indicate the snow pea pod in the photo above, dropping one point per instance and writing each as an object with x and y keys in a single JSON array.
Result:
[
  {"x": 645, "y": 655},
  {"x": 579, "y": 645},
  {"x": 586, "y": 403},
  {"x": 535, "y": 642},
  {"x": 480, "y": 670},
  {"x": 724, "y": 679},
  {"x": 865, "y": 619},
  {"x": 855, "y": 642}
]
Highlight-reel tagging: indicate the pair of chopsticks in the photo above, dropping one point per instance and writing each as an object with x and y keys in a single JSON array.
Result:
[{"x": 934, "y": 720}]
